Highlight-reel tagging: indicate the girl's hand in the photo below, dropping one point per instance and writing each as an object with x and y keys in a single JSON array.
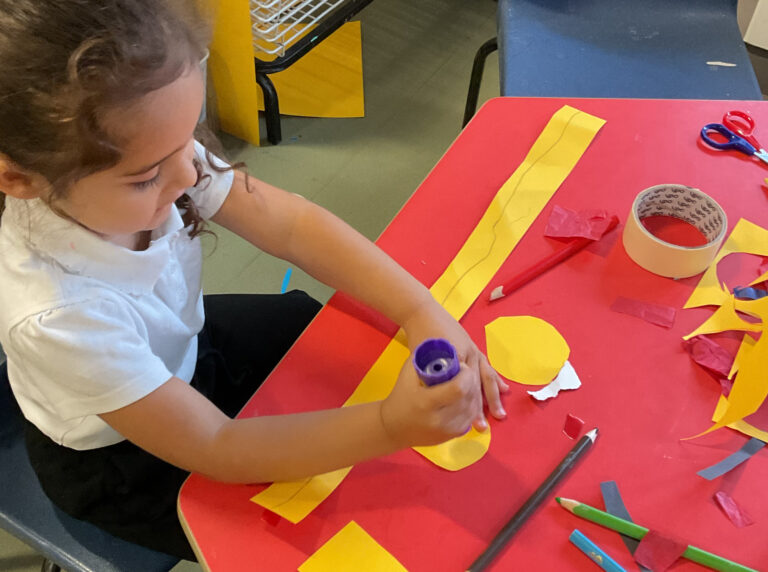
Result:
[
  {"x": 416, "y": 415},
  {"x": 433, "y": 321}
]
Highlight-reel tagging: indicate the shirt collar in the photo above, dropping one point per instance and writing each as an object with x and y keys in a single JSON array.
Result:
[{"x": 80, "y": 251}]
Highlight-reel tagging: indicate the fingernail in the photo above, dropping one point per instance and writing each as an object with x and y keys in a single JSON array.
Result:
[{"x": 500, "y": 411}]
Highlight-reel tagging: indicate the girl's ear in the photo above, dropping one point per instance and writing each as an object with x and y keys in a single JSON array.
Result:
[{"x": 18, "y": 183}]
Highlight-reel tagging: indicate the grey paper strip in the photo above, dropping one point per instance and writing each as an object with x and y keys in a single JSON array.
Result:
[
  {"x": 615, "y": 505},
  {"x": 733, "y": 460}
]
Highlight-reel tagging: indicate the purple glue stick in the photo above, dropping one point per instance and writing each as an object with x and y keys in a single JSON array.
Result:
[{"x": 435, "y": 361}]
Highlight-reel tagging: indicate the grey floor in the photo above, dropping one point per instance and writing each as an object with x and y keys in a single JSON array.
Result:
[{"x": 417, "y": 58}]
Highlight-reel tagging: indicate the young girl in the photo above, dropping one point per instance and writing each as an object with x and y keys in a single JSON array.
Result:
[{"x": 128, "y": 376}]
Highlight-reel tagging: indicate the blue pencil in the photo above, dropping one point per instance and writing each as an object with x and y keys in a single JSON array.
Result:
[{"x": 594, "y": 552}]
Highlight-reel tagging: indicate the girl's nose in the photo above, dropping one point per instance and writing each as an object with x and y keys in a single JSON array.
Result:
[{"x": 184, "y": 172}]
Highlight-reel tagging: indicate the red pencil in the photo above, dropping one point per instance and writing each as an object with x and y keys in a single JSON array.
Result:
[{"x": 545, "y": 264}]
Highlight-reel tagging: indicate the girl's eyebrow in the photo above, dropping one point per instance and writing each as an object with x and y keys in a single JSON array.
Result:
[{"x": 153, "y": 165}]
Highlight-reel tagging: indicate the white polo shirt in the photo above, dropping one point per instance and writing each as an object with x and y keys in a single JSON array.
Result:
[{"x": 89, "y": 326}]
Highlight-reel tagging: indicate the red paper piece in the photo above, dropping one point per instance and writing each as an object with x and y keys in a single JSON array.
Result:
[
  {"x": 733, "y": 511},
  {"x": 572, "y": 426},
  {"x": 565, "y": 223},
  {"x": 725, "y": 386},
  {"x": 759, "y": 419},
  {"x": 654, "y": 313},
  {"x": 709, "y": 354},
  {"x": 658, "y": 552}
]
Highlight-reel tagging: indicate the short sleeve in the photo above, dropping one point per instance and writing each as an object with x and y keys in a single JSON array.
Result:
[
  {"x": 214, "y": 186},
  {"x": 87, "y": 358}
]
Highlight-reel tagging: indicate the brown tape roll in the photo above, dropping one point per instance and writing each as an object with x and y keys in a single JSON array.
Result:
[{"x": 687, "y": 204}]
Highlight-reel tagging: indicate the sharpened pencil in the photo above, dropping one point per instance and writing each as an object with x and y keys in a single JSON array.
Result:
[
  {"x": 525, "y": 511},
  {"x": 636, "y": 531}
]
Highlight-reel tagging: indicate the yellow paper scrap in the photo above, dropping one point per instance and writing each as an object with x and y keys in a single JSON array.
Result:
[
  {"x": 526, "y": 349},
  {"x": 741, "y": 426},
  {"x": 294, "y": 500},
  {"x": 351, "y": 549},
  {"x": 327, "y": 81},
  {"x": 749, "y": 390},
  {"x": 746, "y": 237},
  {"x": 516, "y": 205},
  {"x": 747, "y": 343},
  {"x": 723, "y": 319}
]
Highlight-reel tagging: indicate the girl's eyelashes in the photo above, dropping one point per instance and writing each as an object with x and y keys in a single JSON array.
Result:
[{"x": 141, "y": 185}]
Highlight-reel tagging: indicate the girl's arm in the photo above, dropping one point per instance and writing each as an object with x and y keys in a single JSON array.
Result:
[
  {"x": 292, "y": 228},
  {"x": 182, "y": 427}
]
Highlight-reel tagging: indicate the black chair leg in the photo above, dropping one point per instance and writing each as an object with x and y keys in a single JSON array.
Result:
[
  {"x": 49, "y": 566},
  {"x": 271, "y": 108},
  {"x": 477, "y": 75}
]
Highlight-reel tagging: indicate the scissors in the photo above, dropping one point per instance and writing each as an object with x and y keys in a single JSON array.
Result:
[{"x": 737, "y": 128}]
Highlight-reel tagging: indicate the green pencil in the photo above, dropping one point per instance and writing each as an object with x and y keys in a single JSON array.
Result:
[{"x": 633, "y": 530}]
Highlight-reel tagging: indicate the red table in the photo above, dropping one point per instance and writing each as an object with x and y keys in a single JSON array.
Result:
[{"x": 639, "y": 386}]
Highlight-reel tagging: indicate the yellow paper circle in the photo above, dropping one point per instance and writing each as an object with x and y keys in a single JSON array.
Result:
[{"x": 525, "y": 349}]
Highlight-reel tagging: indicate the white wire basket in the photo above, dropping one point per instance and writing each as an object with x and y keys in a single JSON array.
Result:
[{"x": 276, "y": 24}]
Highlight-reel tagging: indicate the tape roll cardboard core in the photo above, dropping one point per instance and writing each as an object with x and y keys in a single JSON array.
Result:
[{"x": 687, "y": 204}]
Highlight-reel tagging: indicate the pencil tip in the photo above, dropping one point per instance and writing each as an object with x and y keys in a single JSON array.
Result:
[
  {"x": 592, "y": 434},
  {"x": 497, "y": 293},
  {"x": 567, "y": 504}
]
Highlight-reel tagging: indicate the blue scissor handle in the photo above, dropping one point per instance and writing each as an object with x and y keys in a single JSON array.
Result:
[{"x": 734, "y": 141}]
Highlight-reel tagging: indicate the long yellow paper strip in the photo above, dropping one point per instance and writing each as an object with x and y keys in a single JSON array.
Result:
[
  {"x": 516, "y": 205},
  {"x": 351, "y": 549}
]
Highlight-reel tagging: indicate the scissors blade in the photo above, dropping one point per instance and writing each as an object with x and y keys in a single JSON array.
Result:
[{"x": 762, "y": 155}]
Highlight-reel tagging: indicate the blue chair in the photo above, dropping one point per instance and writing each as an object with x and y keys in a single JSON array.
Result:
[
  {"x": 654, "y": 49},
  {"x": 26, "y": 513}
]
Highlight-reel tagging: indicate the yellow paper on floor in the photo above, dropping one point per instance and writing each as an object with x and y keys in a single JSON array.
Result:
[
  {"x": 351, "y": 549},
  {"x": 551, "y": 158},
  {"x": 327, "y": 81}
]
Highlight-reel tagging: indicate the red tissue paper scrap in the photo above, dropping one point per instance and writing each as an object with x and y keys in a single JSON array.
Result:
[
  {"x": 709, "y": 354},
  {"x": 737, "y": 515},
  {"x": 572, "y": 426},
  {"x": 658, "y": 552},
  {"x": 565, "y": 223},
  {"x": 654, "y": 313}
]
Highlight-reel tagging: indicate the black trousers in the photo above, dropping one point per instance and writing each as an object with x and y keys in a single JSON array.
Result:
[{"x": 131, "y": 493}]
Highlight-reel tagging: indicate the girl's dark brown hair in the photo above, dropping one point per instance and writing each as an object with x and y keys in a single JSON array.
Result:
[{"x": 63, "y": 65}]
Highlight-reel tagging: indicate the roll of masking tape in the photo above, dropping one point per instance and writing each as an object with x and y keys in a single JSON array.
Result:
[{"x": 687, "y": 204}]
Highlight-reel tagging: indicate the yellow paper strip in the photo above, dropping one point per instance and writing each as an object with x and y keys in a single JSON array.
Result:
[
  {"x": 351, "y": 549},
  {"x": 516, "y": 205}
]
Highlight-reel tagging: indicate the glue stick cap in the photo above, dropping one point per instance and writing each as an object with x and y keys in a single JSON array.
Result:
[{"x": 435, "y": 361}]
